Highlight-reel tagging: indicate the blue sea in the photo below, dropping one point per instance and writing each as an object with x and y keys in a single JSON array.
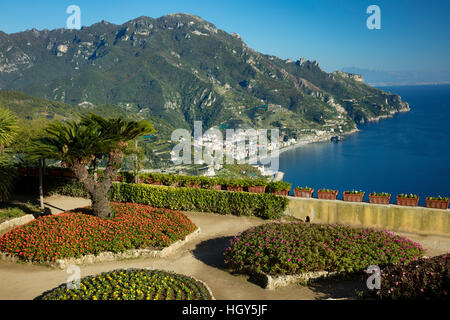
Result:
[{"x": 409, "y": 153}]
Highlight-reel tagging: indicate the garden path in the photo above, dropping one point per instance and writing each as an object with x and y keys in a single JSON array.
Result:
[{"x": 200, "y": 258}]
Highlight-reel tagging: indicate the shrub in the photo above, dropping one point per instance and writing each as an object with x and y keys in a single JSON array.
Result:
[
  {"x": 380, "y": 194},
  {"x": 306, "y": 188},
  {"x": 238, "y": 203},
  {"x": 278, "y": 186},
  {"x": 132, "y": 284},
  {"x": 78, "y": 233},
  {"x": 408, "y": 196},
  {"x": 421, "y": 279},
  {"x": 354, "y": 192},
  {"x": 293, "y": 248},
  {"x": 70, "y": 189},
  {"x": 439, "y": 198}
]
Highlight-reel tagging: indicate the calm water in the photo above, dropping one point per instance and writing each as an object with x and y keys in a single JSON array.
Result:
[{"x": 409, "y": 153}]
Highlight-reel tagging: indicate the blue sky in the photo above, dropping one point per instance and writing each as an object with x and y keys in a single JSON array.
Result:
[{"x": 414, "y": 35}]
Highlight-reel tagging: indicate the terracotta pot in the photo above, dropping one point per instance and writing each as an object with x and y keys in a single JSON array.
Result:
[
  {"x": 437, "y": 204},
  {"x": 379, "y": 199},
  {"x": 327, "y": 195},
  {"x": 353, "y": 197},
  {"x": 303, "y": 193},
  {"x": 281, "y": 192},
  {"x": 410, "y": 202},
  {"x": 194, "y": 186},
  {"x": 257, "y": 189},
  {"x": 118, "y": 179},
  {"x": 232, "y": 188},
  {"x": 217, "y": 187}
]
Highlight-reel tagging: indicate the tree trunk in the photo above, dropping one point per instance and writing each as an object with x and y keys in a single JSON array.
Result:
[
  {"x": 41, "y": 184},
  {"x": 98, "y": 190}
]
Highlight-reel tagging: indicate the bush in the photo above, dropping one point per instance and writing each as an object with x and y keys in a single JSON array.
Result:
[
  {"x": 78, "y": 233},
  {"x": 278, "y": 186},
  {"x": 132, "y": 284},
  {"x": 70, "y": 189},
  {"x": 265, "y": 206},
  {"x": 421, "y": 279},
  {"x": 293, "y": 248}
]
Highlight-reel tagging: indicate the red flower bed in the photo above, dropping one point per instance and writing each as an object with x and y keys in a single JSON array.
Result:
[{"x": 78, "y": 233}]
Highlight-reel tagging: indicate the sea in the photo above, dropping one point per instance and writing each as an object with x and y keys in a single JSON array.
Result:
[{"x": 408, "y": 153}]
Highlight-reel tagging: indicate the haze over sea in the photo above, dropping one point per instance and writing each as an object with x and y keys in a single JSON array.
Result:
[{"x": 409, "y": 153}]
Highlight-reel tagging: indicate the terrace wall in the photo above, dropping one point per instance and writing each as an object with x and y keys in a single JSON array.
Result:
[{"x": 418, "y": 220}]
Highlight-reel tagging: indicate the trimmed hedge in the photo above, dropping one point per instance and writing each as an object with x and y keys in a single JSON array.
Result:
[{"x": 265, "y": 206}]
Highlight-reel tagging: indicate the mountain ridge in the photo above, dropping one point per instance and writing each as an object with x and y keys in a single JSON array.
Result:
[{"x": 181, "y": 68}]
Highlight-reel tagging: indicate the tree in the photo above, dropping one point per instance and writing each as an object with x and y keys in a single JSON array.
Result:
[
  {"x": 8, "y": 130},
  {"x": 78, "y": 144}
]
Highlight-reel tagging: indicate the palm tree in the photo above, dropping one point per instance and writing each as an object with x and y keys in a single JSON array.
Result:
[
  {"x": 79, "y": 144},
  {"x": 8, "y": 130}
]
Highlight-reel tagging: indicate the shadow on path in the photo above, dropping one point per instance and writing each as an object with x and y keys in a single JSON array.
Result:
[{"x": 211, "y": 251}]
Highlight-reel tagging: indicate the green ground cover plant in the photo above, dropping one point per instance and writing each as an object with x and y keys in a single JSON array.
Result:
[
  {"x": 132, "y": 284},
  {"x": 423, "y": 279},
  {"x": 298, "y": 247}
]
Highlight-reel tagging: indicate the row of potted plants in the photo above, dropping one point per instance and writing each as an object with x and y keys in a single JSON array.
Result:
[
  {"x": 239, "y": 185},
  {"x": 374, "y": 197}
]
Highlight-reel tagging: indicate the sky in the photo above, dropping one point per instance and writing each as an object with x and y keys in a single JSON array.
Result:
[{"x": 414, "y": 35}]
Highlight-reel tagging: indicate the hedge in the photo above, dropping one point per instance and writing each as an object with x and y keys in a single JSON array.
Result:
[{"x": 262, "y": 205}]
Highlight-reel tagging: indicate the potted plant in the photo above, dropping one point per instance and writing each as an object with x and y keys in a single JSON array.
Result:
[
  {"x": 437, "y": 202},
  {"x": 279, "y": 188},
  {"x": 327, "y": 194},
  {"x": 212, "y": 183},
  {"x": 379, "y": 197},
  {"x": 236, "y": 185},
  {"x": 303, "y": 192},
  {"x": 410, "y": 200},
  {"x": 153, "y": 178},
  {"x": 257, "y": 186},
  {"x": 194, "y": 182},
  {"x": 353, "y": 196}
]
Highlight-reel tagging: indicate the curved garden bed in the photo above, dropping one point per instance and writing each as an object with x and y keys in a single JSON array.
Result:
[
  {"x": 298, "y": 248},
  {"x": 79, "y": 233},
  {"x": 132, "y": 284}
]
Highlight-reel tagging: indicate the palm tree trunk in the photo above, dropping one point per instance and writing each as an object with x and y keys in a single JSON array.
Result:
[{"x": 41, "y": 184}]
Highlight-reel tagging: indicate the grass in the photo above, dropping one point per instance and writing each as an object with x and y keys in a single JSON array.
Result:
[{"x": 10, "y": 211}]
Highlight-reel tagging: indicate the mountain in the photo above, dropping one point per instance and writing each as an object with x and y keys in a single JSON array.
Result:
[
  {"x": 386, "y": 78},
  {"x": 180, "y": 68}
]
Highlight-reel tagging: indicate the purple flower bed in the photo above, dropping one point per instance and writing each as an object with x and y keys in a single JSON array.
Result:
[
  {"x": 298, "y": 247},
  {"x": 421, "y": 279}
]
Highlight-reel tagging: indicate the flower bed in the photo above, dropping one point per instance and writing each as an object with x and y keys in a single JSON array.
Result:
[
  {"x": 421, "y": 279},
  {"x": 132, "y": 284},
  {"x": 77, "y": 233},
  {"x": 295, "y": 248}
]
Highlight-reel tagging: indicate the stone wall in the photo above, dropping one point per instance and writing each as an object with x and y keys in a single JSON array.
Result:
[{"x": 418, "y": 220}]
